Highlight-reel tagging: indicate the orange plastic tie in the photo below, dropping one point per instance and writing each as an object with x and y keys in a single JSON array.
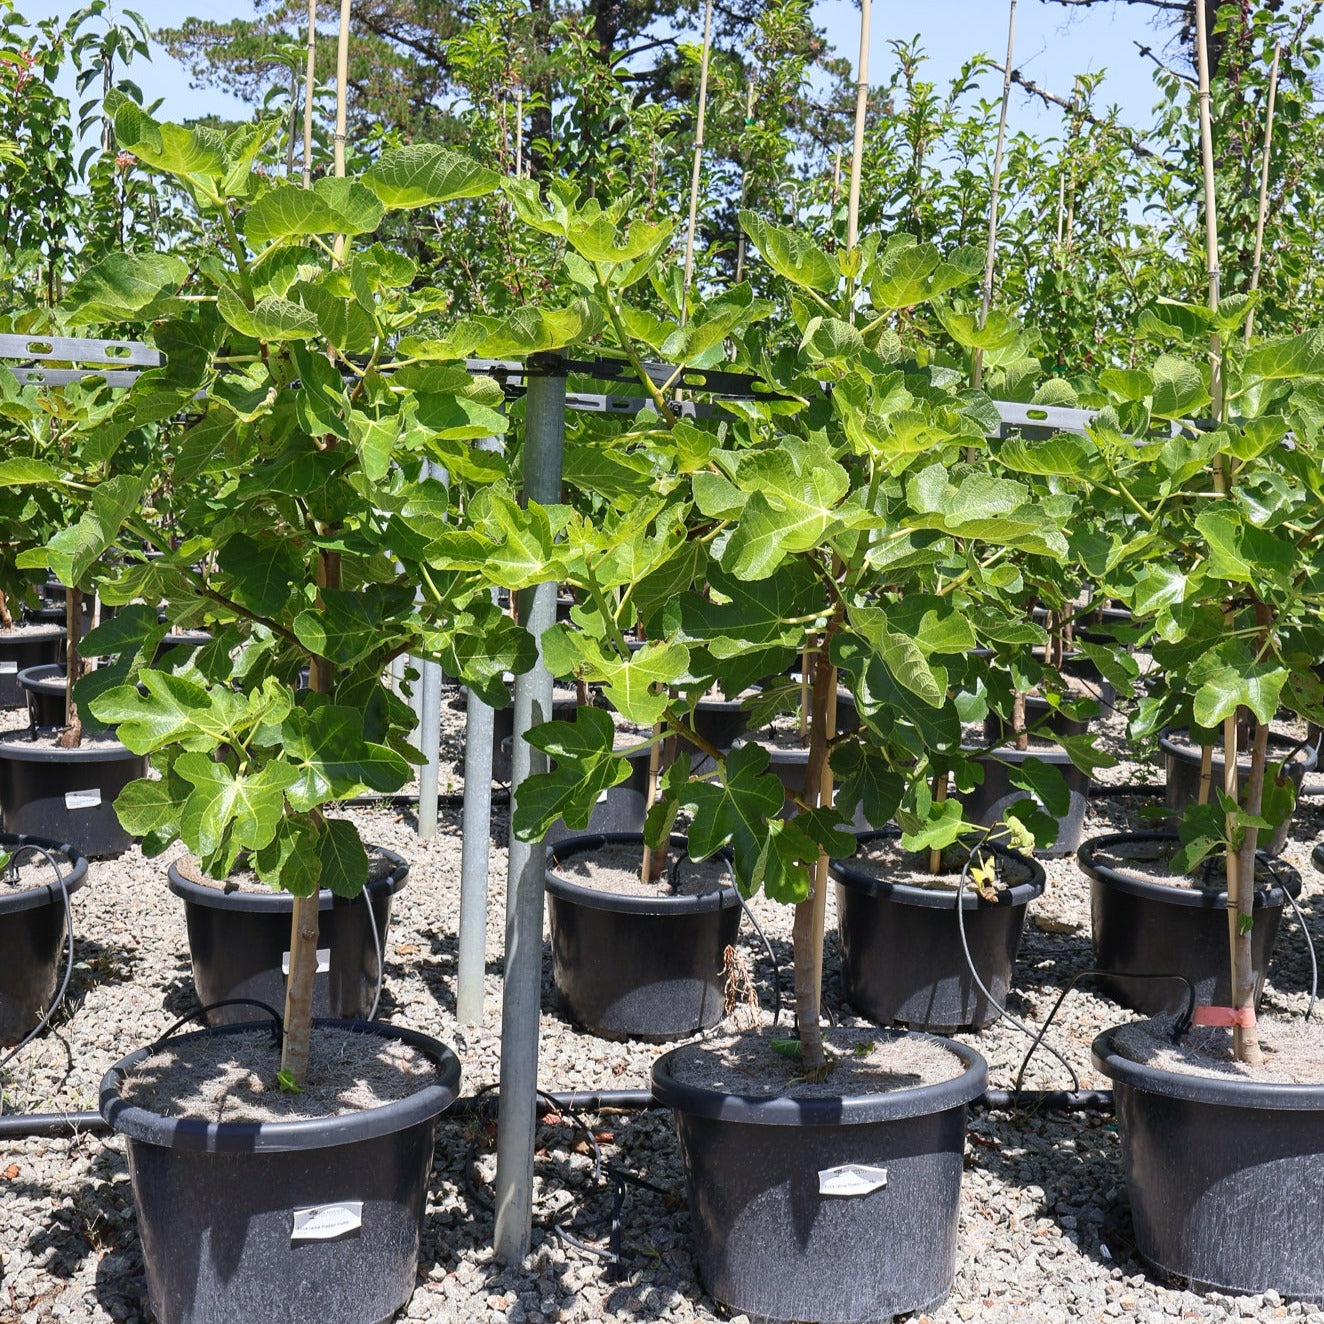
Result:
[{"x": 1225, "y": 1017}]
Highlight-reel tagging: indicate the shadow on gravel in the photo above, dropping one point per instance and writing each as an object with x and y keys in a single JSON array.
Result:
[
  {"x": 652, "y": 1220},
  {"x": 438, "y": 967},
  {"x": 96, "y": 964},
  {"x": 1073, "y": 1160}
]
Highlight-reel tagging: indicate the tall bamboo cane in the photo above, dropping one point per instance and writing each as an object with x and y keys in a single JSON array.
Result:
[{"x": 1263, "y": 212}]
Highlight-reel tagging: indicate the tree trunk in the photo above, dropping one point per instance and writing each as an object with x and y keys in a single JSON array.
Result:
[{"x": 72, "y": 735}]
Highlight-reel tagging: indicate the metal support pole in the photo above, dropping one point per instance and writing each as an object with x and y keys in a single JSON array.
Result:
[
  {"x": 474, "y": 861},
  {"x": 544, "y": 440},
  {"x": 429, "y": 775},
  {"x": 475, "y": 850}
]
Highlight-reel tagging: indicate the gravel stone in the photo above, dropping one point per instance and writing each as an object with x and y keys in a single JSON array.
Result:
[{"x": 1045, "y": 1236}]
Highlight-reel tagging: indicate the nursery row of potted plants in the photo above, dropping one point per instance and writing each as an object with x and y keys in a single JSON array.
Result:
[{"x": 856, "y": 517}]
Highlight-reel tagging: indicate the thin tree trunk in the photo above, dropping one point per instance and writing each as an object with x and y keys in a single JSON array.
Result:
[
  {"x": 810, "y": 914},
  {"x": 72, "y": 735}
]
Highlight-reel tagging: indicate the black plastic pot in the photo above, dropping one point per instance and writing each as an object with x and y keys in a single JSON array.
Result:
[
  {"x": 218, "y": 1203},
  {"x": 44, "y": 687},
  {"x": 639, "y": 967},
  {"x": 990, "y": 801},
  {"x": 32, "y": 936},
  {"x": 1147, "y": 928},
  {"x": 770, "y": 1245},
  {"x": 901, "y": 956},
  {"x": 1224, "y": 1175},
  {"x": 22, "y": 647},
  {"x": 1181, "y": 764},
  {"x": 239, "y": 943},
  {"x": 179, "y": 645},
  {"x": 68, "y": 794}
]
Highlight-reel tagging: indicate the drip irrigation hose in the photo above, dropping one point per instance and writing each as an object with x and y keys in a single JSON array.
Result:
[
  {"x": 62, "y": 884},
  {"x": 377, "y": 945},
  {"x": 979, "y": 983},
  {"x": 1268, "y": 863}
]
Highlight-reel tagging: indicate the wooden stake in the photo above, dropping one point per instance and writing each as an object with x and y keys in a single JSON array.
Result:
[
  {"x": 991, "y": 251},
  {"x": 857, "y": 147},
  {"x": 744, "y": 183},
  {"x": 1264, "y": 186},
  {"x": 1245, "y": 1039},
  {"x": 698, "y": 157}
]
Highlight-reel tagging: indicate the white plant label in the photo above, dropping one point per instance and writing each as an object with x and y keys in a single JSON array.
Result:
[
  {"x": 323, "y": 961},
  {"x": 323, "y": 1222},
  {"x": 8, "y": 667},
  {"x": 851, "y": 1179},
  {"x": 82, "y": 799}
]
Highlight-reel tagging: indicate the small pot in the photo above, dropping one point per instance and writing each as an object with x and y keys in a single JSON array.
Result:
[
  {"x": 239, "y": 943},
  {"x": 45, "y": 688},
  {"x": 1148, "y": 928},
  {"x": 994, "y": 797},
  {"x": 217, "y": 1203},
  {"x": 68, "y": 794},
  {"x": 902, "y": 961},
  {"x": 33, "y": 938},
  {"x": 769, "y": 1243},
  {"x": 22, "y": 647},
  {"x": 1181, "y": 763},
  {"x": 1223, "y": 1175},
  {"x": 637, "y": 966}
]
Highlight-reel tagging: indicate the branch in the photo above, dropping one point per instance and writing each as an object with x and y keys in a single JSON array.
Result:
[
  {"x": 1129, "y": 136},
  {"x": 1148, "y": 53}
]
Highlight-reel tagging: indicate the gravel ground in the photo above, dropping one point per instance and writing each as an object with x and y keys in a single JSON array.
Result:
[{"x": 1045, "y": 1235}]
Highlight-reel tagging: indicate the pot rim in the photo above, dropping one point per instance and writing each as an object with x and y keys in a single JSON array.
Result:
[
  {"x": 12, "y": 901},
  {"x": 51, "y": 683},
  {"x": 832, "y": 1110},
  {"x": 1202, "y": 898},
  {"x": 277, "y": 902},
  {"x": 565, "y": 889},
  {"x": 1305, "y": 759},
  {"x": 908, "y": 894},
  {"x": 1217, "y": 1091},
  {"x": 41, "y": 751},
  {"x": 194, "y": 1134}
]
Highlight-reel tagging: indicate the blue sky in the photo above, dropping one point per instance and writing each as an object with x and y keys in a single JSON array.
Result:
[{"x": 1052, "y": 44}]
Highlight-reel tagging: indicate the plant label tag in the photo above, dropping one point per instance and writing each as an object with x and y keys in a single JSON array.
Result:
[
  {"x": 323, "y": 962},
  {"x": 603, "y": 796},
  {"x": 851, "y": 1179},
  {"x": 8, "y": 667},
  {"x": 82, "y": 799},
  {"x": 325, "y": 1222}
]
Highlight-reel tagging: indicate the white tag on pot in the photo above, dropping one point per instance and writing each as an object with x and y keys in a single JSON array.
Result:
[
  {"x": 82, "y": 799},
  {"x": 324, "y": 1222},
  {"x": 323, "y": 961},
  {"x": 8, "y": 667},
  {"x": 851, "y": 1179}
]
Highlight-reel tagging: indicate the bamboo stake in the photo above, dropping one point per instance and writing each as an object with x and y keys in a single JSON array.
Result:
[
  {"x": 698, "y": 157},
  {"x": 744, "y": 183},
  {"x": 1264, "y": 187},
  {"x": 991, "y": 252},
  {"x": 519, "y": 130},
  {"x": 857, "y": 146},
  {"x": 939, "y": 795},
  {"x": 308, "y": 85},
  {"x": 1246, "y": 1046},
  {"x": 296, "y": 1043}
]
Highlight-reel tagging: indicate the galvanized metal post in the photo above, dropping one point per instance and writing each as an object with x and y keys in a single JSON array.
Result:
[
  {"x": 429, "y": 715},
  {"x": 475, "y": 849},
  {"x": 544, "y": 440}
]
